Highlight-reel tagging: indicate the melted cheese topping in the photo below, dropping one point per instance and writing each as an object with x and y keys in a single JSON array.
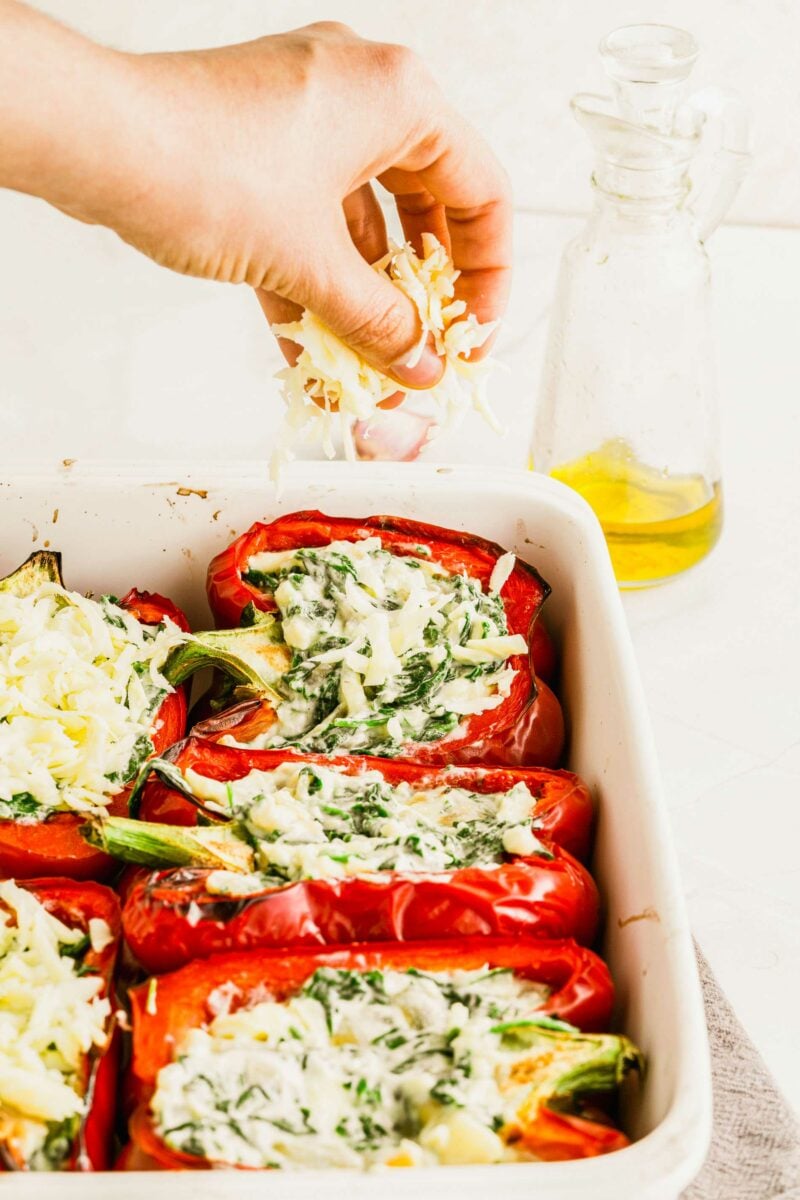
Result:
[
  {"x": 387, "y": 649},
  {"x": 329, "y": 371},
  {"x": 357, "y": 1069},
  {"x": 314, "y": 822},
  {"x": 79, "y": 683},
  {"x": 50, "y": 1018}
]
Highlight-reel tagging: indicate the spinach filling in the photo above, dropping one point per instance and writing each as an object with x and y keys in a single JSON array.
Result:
[
  {"x": 58, "y": 1145},
  {"x": 394, "y": 1047},
  {"x": 311, "y": 822},
  {"x": 386, "y": 649}
]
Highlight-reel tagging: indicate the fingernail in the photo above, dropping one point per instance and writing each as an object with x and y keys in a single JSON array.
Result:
[{"x": 419, "y": 370}]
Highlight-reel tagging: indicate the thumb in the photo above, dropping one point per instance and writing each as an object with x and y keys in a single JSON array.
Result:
[{"x": 371, "y": 315}]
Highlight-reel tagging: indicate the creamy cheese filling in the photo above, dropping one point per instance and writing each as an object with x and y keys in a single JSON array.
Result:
[
  {"x": 79, "y": 684},
  {"x": 357, "y": 1069},
  {"x": 387, "y": 649},
  {"x": 51, "y": 1015},
  {"x": 311, "y": 822}
]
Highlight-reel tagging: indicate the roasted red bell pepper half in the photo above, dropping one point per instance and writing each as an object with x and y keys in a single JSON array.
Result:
[
  {"x": 454, "y": 869},
  {"x": 562, "y": 807},
  {"x": 525, "y": 728},
  {"x": 76, "y": 903},
  {"x": 563, "y": 1066},
  {"x": 170, "y": 917},
  {"x": 54, "y": 846}
]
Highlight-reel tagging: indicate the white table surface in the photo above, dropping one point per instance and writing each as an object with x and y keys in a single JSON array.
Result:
[{"x": 104, "y": 355}]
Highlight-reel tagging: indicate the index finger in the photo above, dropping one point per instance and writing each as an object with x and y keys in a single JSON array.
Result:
[{"x": 451, "y": 184}]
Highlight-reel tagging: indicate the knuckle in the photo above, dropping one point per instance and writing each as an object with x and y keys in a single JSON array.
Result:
[
  {"x": 384, "y": 327},
  {"x": 358, "y": 226},
  {"x": 314, "y": 45},
  {"x": 276, "y": 277},
  {"x": 338, "y": 28},
  {"x": 418, "y": 204},
  {"x": 400, "y": 63},
  {"x": 251, "y": 273}
]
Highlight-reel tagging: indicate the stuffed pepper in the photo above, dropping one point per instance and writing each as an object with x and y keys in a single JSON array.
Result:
[
  {"x": 395, "y": 1056},
  {"x": 83, "y": 702},
  {"x": 58, "y": 945},
  {"x": 89, "y": 689},
  {"x": 303, "y": 850},
  {"x": 398, "y": 639}
]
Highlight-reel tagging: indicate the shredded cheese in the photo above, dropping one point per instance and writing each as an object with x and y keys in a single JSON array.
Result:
[
  {"x": 79, "y": 683},
  {"x": 50, "y": 1018},
  {"x": 501, "y": 572},
  {"x": 100, "y": 934},
  {"x": 329, "y": 372}
]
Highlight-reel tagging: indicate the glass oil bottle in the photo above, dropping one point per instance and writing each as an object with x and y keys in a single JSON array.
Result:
[{"x": 627, "y": 414}]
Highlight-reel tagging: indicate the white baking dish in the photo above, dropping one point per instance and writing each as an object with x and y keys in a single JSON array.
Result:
[{"x": 157, "y": 529}]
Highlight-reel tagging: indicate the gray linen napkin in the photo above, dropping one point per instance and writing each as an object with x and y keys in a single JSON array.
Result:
[{"x": 755, "y": 1148}]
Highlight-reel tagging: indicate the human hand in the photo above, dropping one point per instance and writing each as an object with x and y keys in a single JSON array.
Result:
[{"x": 254, "y": 164}]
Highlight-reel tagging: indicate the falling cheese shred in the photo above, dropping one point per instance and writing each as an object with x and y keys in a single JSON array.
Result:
[
  {"x": 50, "y": 1018},
  {"x": 330, "y": 382}
]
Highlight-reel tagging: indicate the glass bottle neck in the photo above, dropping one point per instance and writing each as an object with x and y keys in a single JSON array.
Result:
[{"x": 654, "y": 193}]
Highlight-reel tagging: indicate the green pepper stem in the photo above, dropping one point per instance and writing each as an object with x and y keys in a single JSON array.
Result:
[
  {"x": 604, "y": 1071},
  {"x": 580, "y": 1064},
  {"x": 152, "y": 844},
  {"x": 43, "y": 566},
  {"x": 256, "y": 656}
]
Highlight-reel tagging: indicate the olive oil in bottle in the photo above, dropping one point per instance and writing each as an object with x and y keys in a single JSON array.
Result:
[{"x": 656, "y": 524}]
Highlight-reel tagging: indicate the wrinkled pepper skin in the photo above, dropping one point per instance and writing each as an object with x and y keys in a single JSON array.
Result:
[
  {"x": 525, "y": 728},
  {"x": 170, "y": 917},
  {"x": 562, "y": 807},
  {"x": 582, "y": 993},
  {"x": 54, "y": 846},
  {"x": 75, "y": 902}
]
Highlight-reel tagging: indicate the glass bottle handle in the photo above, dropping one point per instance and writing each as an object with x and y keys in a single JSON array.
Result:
[{"x": 726, "y": 130}]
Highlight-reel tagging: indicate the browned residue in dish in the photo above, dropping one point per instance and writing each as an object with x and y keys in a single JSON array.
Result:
[
  {"x": 215, "y": 515},
  {"x": 187, "y": 491},
  {"x": 647, "y": 914},
  {"x": 68, "y": 462},
  {"x": 54, "y": 518}
]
